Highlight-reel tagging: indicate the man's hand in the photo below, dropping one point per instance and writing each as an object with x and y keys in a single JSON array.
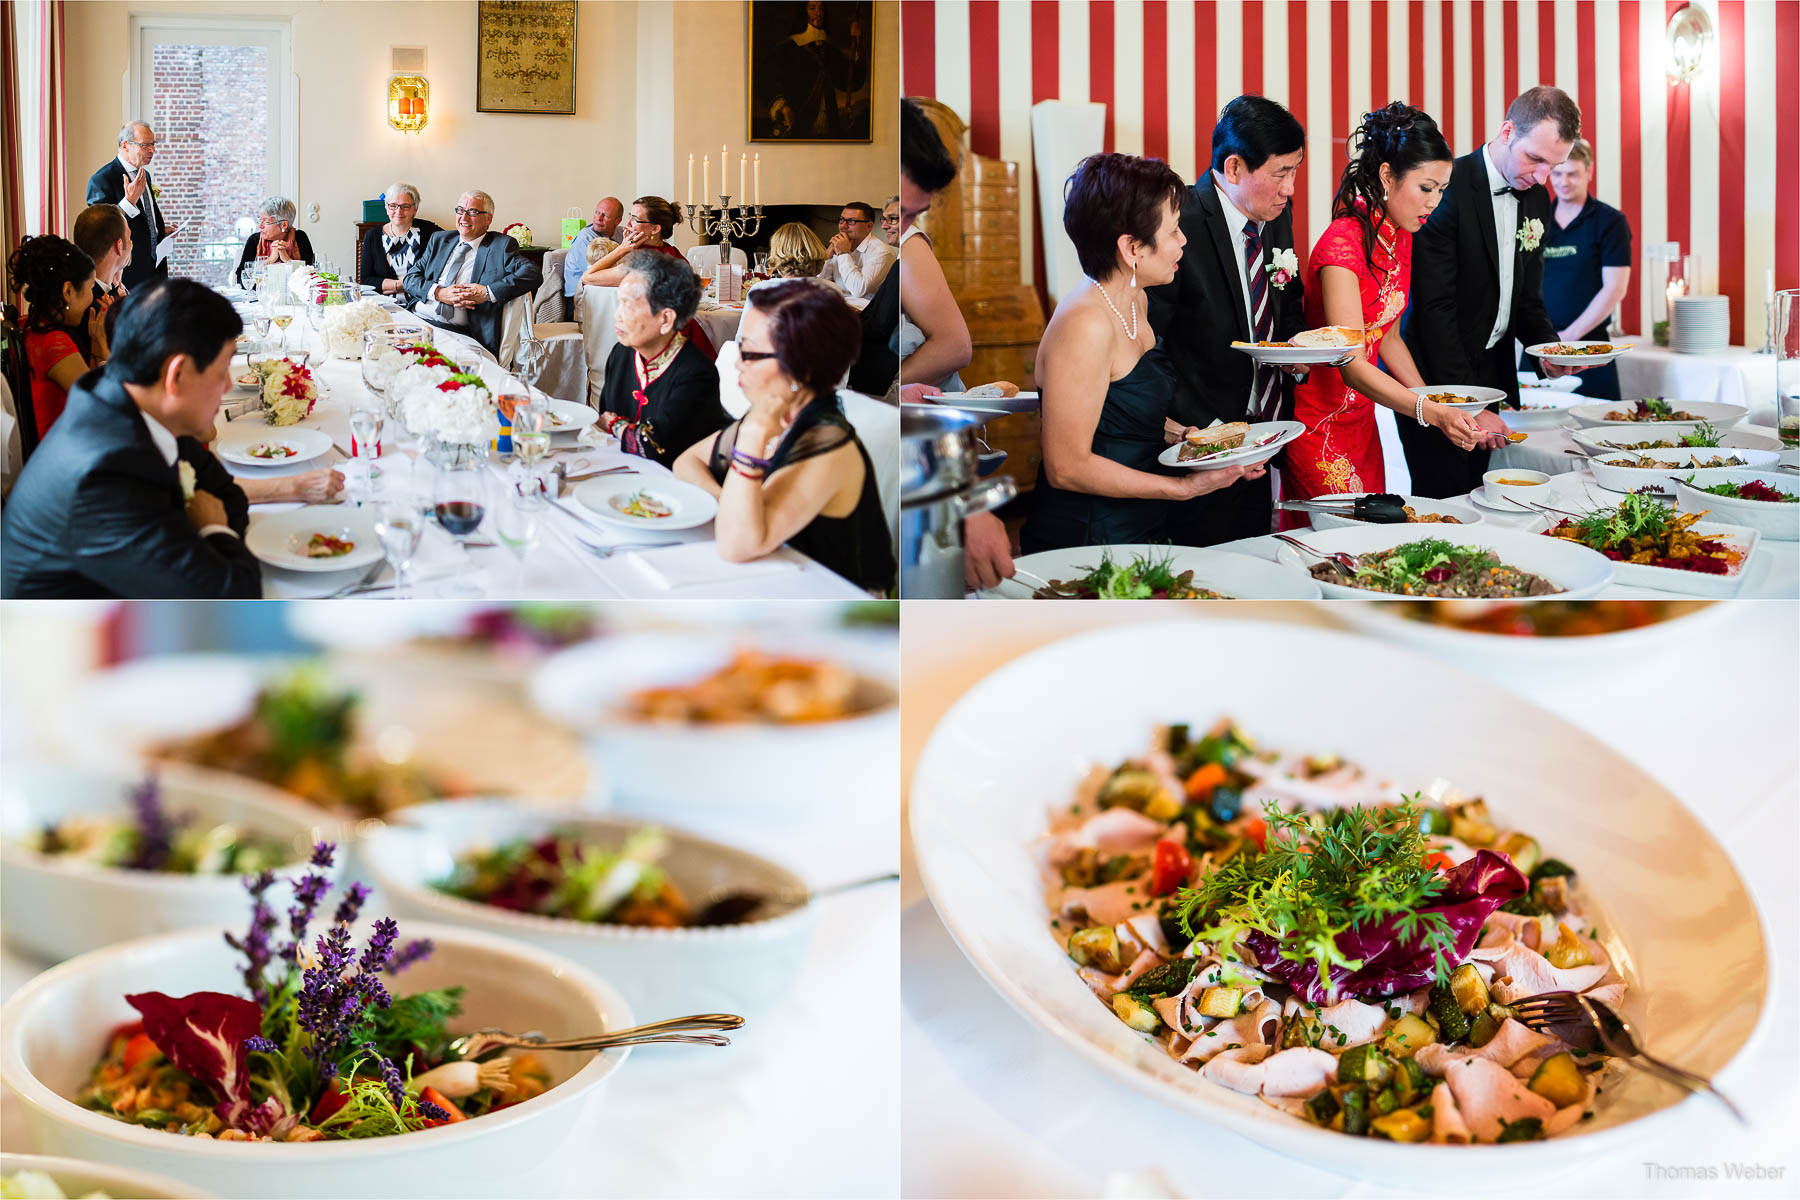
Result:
[
  {"x": 987, "y": 552},
  {"x": 206, "y": 509},
  {"x": 1488, "y": 422},
  {"x": 918, "y": 393},
  {"x": 169, "y": 230},
  {"x": 839, "y": 244},
  {"x": 313, "y": 487},
  {"x": 1557, "y": 370},
  {"x": 136, "y": 186},
  {"x": 782, "y": 116}
]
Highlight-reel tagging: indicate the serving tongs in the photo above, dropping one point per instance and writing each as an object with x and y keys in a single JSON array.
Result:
[
  {"x": 1382, "y": 508},
  {"x": 484, "y": 1043},
  {"x": 1588, "y": 1025},
  {"x": 1041, "y": 588},
  {"x": 1346, "y": 565}
]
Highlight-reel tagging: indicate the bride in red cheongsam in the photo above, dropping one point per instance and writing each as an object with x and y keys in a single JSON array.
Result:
[{"x": 1358, "y": 275}]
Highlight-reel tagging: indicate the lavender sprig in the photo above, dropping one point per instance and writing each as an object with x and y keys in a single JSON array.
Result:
[
  {"x": 255, "y": 945},
  {"x": 156, "y": 834},
  {"x": 414, "y": 952},
  {"x": 307, "y": 894},
  {"x": 351, "y": 904}
]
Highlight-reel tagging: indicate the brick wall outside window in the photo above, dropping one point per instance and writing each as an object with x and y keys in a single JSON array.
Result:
[{"x": 210, "y": 110}]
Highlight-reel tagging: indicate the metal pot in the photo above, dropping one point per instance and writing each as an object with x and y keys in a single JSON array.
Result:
[{"x": 939, "y": 487}]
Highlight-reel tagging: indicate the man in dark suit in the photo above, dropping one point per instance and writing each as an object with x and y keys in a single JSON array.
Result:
[
  {"x": 1478, "y": 280},
  {"x": 1234, "y": 218},
  {"x": 125, "y": 181},
  {"x": 121, "y": 500},
  {"x": 463, "y": 279}
]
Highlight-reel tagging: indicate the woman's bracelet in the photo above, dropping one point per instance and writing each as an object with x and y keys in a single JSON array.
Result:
[
  {"x": 749, "y": 473},
  {"x": 1419, "y": 412},
  {"x": 749, "y": 459}
]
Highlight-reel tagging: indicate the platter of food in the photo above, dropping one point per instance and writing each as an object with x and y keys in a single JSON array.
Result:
[
  {"x": 257, "y": 446},
  {"x": 663, "y": 504},
  {"x": 1602, "y": 439},
  {"x": 1652, "y": 545},
  {"x": 1231, "y": 444},
  {"x": 1658, "y": 411},
  {"x": 1145, "y": 572},
  {"x": 1484, "y": 562},
  {"x": 1541, "y": 633},
  {"x": 318, "y": 537},
  {"x": 1578, "y": 354},
  {"x": 1327, "y": 344}
]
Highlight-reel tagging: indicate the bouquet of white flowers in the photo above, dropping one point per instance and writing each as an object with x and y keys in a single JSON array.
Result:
[
  {"x": 451, "y": 407},
  {"x": 346, "y": 324},
  {"x": 288, "y": 391}
]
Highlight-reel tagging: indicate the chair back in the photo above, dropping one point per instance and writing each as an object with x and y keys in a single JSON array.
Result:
[
  {"x": 512, "y": 326},
  {"x": 17, "y": 369},
  {"x": 704, "y": 258},
  {"x": 547, "y": 304},
  {"x": 877, "y": 426}
]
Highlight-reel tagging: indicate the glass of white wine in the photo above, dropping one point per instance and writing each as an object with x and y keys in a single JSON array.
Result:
[
  {"x": 283, "y": 317},
  {"x": 400, "y": 526}
]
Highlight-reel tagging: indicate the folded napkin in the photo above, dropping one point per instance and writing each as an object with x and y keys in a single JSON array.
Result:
[{"x": 698, "y": 564}]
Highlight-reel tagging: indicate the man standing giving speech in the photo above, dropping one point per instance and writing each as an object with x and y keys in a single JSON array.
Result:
[
  {"x": 1478, "y": 280},
  {"x": 125, "y": 181}
]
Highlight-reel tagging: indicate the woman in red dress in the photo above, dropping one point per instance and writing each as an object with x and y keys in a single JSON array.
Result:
[
  {"x": 58, "y": 282},
  {"x": 1358, "y": 276}
]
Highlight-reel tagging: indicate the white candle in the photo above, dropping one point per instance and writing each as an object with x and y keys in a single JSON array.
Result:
[
  {"x": 758, "y": 177},
  {"x": 1769, "y": 287},
  {"x": 722, "y": 168},
  {"x": 743, "y": 192},
  {"x": 690, "y": 181},
  {"x": 706, "y": 179}
]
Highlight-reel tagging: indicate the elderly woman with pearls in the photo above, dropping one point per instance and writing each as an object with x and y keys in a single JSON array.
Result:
[
  {"x": 661, "y": 393},
  {"x": 275, "y": 240},
  {"x": 792, "y": 470},
  {"x": 388, "y": 250}
]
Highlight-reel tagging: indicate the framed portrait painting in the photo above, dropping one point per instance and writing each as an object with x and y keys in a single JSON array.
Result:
[
  {"x": 810, "y": 70},
  {"x": 525, "y": 56}
]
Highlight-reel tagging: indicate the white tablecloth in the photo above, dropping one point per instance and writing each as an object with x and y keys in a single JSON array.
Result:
[
  {"x": 994, "y": 1107},
  {"x": 1735, "y": 375},
  {"x": 558, "y": 567},
  {"x": 598, "y": 304}
]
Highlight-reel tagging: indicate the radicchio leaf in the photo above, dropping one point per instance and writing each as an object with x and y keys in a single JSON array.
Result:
[
  {"x": 1391, "y": 963},
  {"x": 204, "y": 1035}
]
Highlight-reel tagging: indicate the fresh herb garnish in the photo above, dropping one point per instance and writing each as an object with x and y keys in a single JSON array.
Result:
[
  {"x": 1430, "y": 560},
  {"x": 1635, "y": 517},
  {"x": 1704, "y": 435},
  {"x": 1139, "y": 579}
]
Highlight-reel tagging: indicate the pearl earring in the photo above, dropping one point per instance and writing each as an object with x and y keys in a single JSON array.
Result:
[
  {"x": 793, "y": 387},
  {"x": 1134, "y": 274}
]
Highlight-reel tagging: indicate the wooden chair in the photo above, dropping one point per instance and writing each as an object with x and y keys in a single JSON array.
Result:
[{"x": 18, "y": 379}]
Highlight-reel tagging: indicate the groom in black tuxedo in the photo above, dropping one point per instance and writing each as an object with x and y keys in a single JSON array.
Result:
[
  {"x": 1478, "y": 280},
  {"x": 125, "y": 181},
  {"x": 1234, "y": 218}
]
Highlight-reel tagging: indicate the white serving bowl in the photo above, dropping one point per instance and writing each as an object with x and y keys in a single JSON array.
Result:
[
  {"x": 57, "y": 908},
  {"x": 77, "y": 1178},
  {"x": 1604, "y": 439},
  {"x": 1419, "y": 504},
  {"x": 1482, "y": 651},
  {"x": 1510, "y": 483},
  {"x": 1237, "y": 576},
  {"x": 746, "y": 771},
  {"x": 1580, "y": 572},
  {"x": 1719, "y": 416},
  {"x": 1774, "y": 520},
  {"x": 743, "y": 969},
  {"x": 52, "y": 1031},
  {"x": 1611, "y": 472}
]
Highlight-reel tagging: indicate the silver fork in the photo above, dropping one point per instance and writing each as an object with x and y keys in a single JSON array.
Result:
[
  {"x": 1337, "y": 558},
  {"x": 1590, "y": 1025},
  {"x": 1041, "y": 585},
  {"x": 484, "y": 1042},
  {"x": 607, "y": 551}
]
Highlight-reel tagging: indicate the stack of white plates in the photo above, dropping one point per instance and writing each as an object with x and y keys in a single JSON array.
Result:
[{"x": 1699, "y": 324}]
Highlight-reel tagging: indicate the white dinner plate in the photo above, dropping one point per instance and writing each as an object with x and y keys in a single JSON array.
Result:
[
  {"x": 1719, "y": 416},
  {"x": 237, "y": 442},
  {"x": 1023, "y": 402},
  {"x": 1419, "y": 504},
  {"x": 279, "y": 539},
  {"x": 568, "y": 417},
  {"x": 1263, "y": 442},
  {"x": 1578, "y": 360},
  {"x": 1610, "y": 474},
  {"x": 1235, "y": 576},
  {"x": 1294, "y": 356},
  {"x": 606, "y": 498},
  {"x": 1578, "y": 571},
  {"x": 1670, "y": 897},
  {"x": 1474, "y": 399},
  {"x": 1688, "y": 583}
]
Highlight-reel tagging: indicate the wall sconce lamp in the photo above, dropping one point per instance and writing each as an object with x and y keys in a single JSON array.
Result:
[
  {"x": 409, "y": 102},
  {"x": 1690, "y": 39}
]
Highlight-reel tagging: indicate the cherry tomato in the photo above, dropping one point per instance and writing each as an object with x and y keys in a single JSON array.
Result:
[
  {"x": 138, "y": 1049},
  {"x": 1257, "y": 830},
  {"x": 1439, "y": 862},
  {"x": 1170, "y": 867}
]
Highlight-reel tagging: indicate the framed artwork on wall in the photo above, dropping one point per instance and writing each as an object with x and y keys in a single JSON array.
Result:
[
  {"x": 810, "y": 71},
  {"x": 525, "y": 57}
]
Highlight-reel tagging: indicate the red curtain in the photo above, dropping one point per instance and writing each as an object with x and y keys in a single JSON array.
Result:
[{"x": 12, "y": 163}]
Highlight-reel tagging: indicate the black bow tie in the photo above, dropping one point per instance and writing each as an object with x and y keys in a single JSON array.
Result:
[{"x": 1506, "y": 191}]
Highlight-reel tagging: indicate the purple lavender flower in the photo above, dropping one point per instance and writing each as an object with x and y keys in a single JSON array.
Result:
[
  {"x": 432, "y": 1112},
  {"x": 390, "y": 1074},
  {"x": 260, "y": 1044},
  {"x": 255, "y": 946},
  {"x": 322, "y": 853},
  {"x": 351, "y": 904},
  {"x": 415, "y": 951},
  {"x": 307, "y": 894},
  {"x": 155, "y": 833},
  {"x": 381, "y": 946}
]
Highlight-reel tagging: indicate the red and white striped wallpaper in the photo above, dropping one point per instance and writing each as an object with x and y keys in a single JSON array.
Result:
[{"x": 1714, "y": 164}]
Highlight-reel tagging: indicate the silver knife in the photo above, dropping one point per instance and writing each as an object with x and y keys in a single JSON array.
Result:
[{"x": 361, "y": 580}]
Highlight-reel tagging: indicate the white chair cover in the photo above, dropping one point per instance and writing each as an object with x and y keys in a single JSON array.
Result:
[
  {"x": 548, "y": 303},
  {"x": 877, "y": 424},
  {"x": 704, "y": 258}
]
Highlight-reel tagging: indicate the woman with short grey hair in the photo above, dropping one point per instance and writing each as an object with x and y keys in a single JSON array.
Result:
[
  {"x": 662, "y": 392},
  {"x": 275, "y": 240},
  {"x": 389, "y": 251}
]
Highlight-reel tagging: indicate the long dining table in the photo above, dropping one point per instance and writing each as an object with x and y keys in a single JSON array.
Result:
[{"x": 576, "y": 557}]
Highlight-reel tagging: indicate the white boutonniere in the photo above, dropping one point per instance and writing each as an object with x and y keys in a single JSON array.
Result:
[
  {"x": 1284, "y": 265},
  {"x": 1530, "y": 234},
  {"x": 185, "y": 469}
]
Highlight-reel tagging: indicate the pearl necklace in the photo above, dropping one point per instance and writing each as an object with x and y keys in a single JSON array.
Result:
[{"x": 1131, "y": 330}]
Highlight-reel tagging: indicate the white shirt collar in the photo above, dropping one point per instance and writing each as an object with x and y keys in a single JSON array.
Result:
[
  {"x": 471, "y": 241},
  {"x": 159, "y": 433},
  {"x": 811, "y": 34},
  {"x": 1496, "y": 180},
  {"x": 129, "y": 169},
  {"x": 1233, "y": 218}
]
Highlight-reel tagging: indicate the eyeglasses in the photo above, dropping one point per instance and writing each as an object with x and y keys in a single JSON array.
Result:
[
  {"x": 853, "y": 221},
  {"x": 146, "y": 145},
  {"x": 402, "y": 207},
  {"x": 890, "y": 218},
  {"x": 472, "y": 212},
  {"x": 756, "y": 355}
]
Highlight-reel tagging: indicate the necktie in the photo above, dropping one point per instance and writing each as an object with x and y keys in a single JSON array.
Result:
[
  {"x": 1262, "y": 319},
  {"x": 1506, "y": 191},
  {"x": 449, "y": 277}
]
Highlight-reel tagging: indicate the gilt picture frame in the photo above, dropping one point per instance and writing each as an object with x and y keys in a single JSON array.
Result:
[
  {"x": 810, "y": 71},
  {"x": 525, "y": 57}
]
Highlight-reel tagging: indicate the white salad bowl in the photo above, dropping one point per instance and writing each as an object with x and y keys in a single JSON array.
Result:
[
  {"x": 77, "y": 1178},
  {"x": 56, "y": 908},
  {"x": 743, "y": 969},
  {"x": 1578, "y": 571},
  {"x": 54, "y": 1028},
  {"x": 763, "y": 772},
  {"x": 1774, "y": 519},
  {"x": 1718, "y": 415},
  {"x": 1664, "y": 893}
]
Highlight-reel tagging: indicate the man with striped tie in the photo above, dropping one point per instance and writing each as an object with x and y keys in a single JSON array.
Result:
[
  {"x": 464, "y": 278},
  {"x": 1234, "y": 218}
]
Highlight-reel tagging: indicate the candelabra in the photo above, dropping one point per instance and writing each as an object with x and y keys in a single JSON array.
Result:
[{"x": 719, "y": 222}]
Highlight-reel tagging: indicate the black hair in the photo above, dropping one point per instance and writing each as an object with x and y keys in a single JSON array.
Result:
[
  {"x": 924, "y": 158},
  {"x": 669, "y": 282},
  {"x": 39, "y": 268},
  {"x": 1400, "y": 136},
  {"x": 1256, "y": 129},
  {"x": 869, "y": 211},
  {"x": 1113, "y": 194},
  {"x": 166, "y": 317}
]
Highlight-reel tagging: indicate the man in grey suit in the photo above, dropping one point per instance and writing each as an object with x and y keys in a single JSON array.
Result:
[
  {"x": 464, "y": 278},
  {"x": 125, "y": 181}
]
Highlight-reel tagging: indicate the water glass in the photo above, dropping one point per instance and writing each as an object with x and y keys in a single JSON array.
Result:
[
  {"x": 399, "y": 526},
  {"x": 365, "y": 442},
  {"x": 516, "y": 515}
]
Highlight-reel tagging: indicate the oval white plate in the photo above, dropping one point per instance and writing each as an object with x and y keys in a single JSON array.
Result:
[
  {"x": 236, "y": 442},
  {"x": 692, "y": 506},
  {"x": 566, "y": 416},
  {"x": 1263, "y": 442},
  {"x": 1474, "y": 398},
  {"x": 1234, "y": 576},
  {"x": 1529, "y": 419},
  {"x": 1576, "y": 569},
  {"x": 1577, "y": 360},
  {"x": 1719, "y": 416},
  {"x": 1294, "y": 356},
  {"x": 1687, "y": 583},
  {"x": 1775, "y": 520},
  {"x": 1610, "y": 474},
  {"x": 994, "y": 764},
  {"x": 279, "y": 539},
  {"x": 1594, "y": 439},
  {"x": 1420, "y": 504}
]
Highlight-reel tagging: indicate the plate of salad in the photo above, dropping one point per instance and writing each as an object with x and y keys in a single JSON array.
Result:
[
  {"x": 1480, "y": 562},
  {"x": 1335, "y": 868},
  {"x": 1701, "y": 434},
  {"x": 257, "y": 446},
  {"x": 1152, "y": 572},
  {"x": 1657, "y": 410}
]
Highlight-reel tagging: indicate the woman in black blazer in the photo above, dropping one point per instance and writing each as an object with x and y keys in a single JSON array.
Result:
[
  {"x": 276, "y": 239},
  {"x": 388, "y": 250}
]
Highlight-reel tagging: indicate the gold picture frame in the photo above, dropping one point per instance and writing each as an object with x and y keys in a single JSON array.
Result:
[
  {"x": 810, "y": 83},
  {"x": 525, "y": 57}
]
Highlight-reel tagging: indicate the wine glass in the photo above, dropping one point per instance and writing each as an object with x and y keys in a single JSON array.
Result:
[
  {"x": 457, "y": 503},
  {"x": 366, "y": 421},
  {"x": 516, "y": 523},
  {"x": 259, "y": 321},
  {"x": 762, "y": 264},
  {"x": 528, "y": 362},
  {"x": 399, "y": 526},
  {"x": 530, "y": 432},
  {"x": 283, "y": 316}
]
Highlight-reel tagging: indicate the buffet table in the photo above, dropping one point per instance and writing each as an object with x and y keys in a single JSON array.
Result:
[
  {"x": 993, "y": 1106},
  {"x": 559, "y": 566},
  {"x": 1735, "y": 375}
]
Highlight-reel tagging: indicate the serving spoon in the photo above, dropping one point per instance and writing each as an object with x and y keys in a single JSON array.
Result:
[
  {"x": 482, "y": 1043},
  {"x": 1346, "y": 565},
  {"x": 735, "y": 907}
]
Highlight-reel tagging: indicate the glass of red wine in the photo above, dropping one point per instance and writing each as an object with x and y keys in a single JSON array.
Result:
[{"x": 458, "y": 498}]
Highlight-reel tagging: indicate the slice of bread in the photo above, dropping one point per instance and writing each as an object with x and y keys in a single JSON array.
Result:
[
  {"x": 1223, "y": 437},
  {"x": 999, "y": 390},
  {"x": 1330, "y": 335}
]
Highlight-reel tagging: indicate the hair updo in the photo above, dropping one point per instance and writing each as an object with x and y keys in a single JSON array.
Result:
[
  {"x": 1399, "y": 136},
  {"x": 39, "y": 268}
]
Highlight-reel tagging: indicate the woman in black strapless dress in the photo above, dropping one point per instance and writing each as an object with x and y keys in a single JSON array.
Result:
[{"x": 1106, "y": 387}]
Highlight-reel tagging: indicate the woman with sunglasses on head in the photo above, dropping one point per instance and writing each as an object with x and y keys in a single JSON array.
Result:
[{"x": 792, "y": 470}]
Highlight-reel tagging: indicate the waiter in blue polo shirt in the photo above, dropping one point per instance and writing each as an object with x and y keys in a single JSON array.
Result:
[{"x": 1587, "y": 265}]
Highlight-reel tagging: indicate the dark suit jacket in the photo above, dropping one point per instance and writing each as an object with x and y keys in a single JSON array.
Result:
[
  {"x": 107, "y": 186},
  {"x": 877, "y": 365},
  {"x": 375, "y": 267},
  {"x": 499, "y": 267},
  {"x": 97, "y": 513},
  {"x": 1456, "y": 286}
]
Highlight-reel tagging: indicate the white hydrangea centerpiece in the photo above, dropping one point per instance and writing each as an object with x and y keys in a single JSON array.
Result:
[
  {"x": 289, "y": 391},
  {"x": 346, "y": 324},
  {"x": 457, "y": 409}
]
